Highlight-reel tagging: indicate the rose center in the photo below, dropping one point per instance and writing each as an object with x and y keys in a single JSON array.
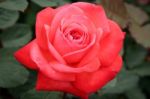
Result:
[{"x": 75, "y": 35}]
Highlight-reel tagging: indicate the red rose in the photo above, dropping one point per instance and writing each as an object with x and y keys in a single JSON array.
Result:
[{"x": 76, "y": 49}]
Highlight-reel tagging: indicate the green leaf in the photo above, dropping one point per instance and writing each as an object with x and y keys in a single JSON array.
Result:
[
  {"x": 30, "y": 16},
  {"x": 12, "y": 74},
  {"x": 45, "y": 3},
  {"x": 51, "y": 3},
  {"x": 125, "y": 82},
  {"x": 94, "y": 96},
  {"x": 142, "y": 69},
  {"x": 135, "y": 54},
  {"x": 33, "y": 94},
  {"x": 16, "y": 35},
  {"x": 7, "y": 18},
  {"x": 135, "y": 93},
  {"x": 140, "y": 33},
  {"x": 19, "y": 5},
  {"x": 104, "y": 96},
  {"x": 116, "y": 11},
  {"x": 111, "y": 83},
  {"x": 137, "y": 14},
  {"x": 20, "y": 90},
  {"x": 7, "y": 54}
]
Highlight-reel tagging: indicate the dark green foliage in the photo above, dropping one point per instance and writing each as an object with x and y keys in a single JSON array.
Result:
[{"x": 17, "y": 22}]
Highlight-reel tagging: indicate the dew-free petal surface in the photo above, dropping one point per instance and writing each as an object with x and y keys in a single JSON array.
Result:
[
  {"x": 23, "y": 56},
  {"x": 43, "y": 18},
  {"x": 45, "y": 83},
  {"x": 111, "y": 45},
  {"x": 91, "y": 82},
  {"x": 95, "y": 13},
  {"x": 46, "y": 68}
]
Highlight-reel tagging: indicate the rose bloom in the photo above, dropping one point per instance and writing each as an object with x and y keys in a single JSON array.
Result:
[{"x": 76, "y": 49}]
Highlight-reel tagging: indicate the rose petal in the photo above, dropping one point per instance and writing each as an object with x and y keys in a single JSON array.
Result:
[
  {"x": 76, "y": 56},
  {"x": 111, "y": 45},
  {"x": 62, "y": 45},
  {"x": 84, "y": 20},
  {"x": 67, "y": 45},
  {"x": 90, "y": 55},
  {"x": 51, "y": 48},
  {"x": 45, "y": 83},
  {"x": 89, "y": 67},
  {"x": 81, "y": 30},
  {"x": 65, "y": 26},
  {"x": 23, "y": 56},
  {"x": 63, "y": 12},
  {"x": 91, "y": 82},
  {"x": 46, "y": 69},
  {"x": 95, "y": 13},
  {"x": 44, "y": 17}
]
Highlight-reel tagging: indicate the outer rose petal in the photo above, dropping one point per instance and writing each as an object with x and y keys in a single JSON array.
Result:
[
  {"x": 44, "y": 17},
  {"x": 45, "y": 83},
  {"x": 111, "y": 45},
  {"x": 46, "y": 69},
  {"x": 91, "y": 82},
  {"x": 92, "y": 66},
  {"x": 89, "y": 63},
  {"x": 23, "y": 56},
  {"x": 95, "y": 13}
]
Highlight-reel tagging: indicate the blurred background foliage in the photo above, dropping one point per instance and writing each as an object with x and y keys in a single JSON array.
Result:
[{"x": 17, "y": 21}]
